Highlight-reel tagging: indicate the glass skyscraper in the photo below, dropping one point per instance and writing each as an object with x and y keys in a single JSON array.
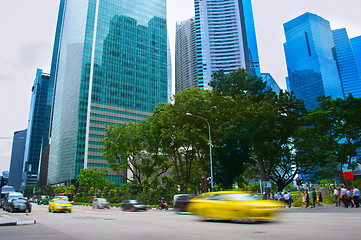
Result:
[
  {"x": 17, "y": 160},
  {"x": 312, "y": 70},
  {"x": 111, "y": 68},
  {"x": 356, "y": 47},
  {"x": 185, "y": 56},
  {"x": 38, "y": 125},
  {"x": 347, "y": 66},
  {"x": 225, "y": 38}
]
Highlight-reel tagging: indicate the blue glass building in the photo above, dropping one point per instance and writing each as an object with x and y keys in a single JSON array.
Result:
[
  {"x": 17, "y": 159},
  {"x": 270, "y": 82},
  {"x": 38, "y": 125},
  {"x": 356, "y": 48},
  {"x": 225, "y": 38},
  {"x": 312, "y": 70},
  {"x": 347, "y": 66},
  {"x": 110, "y": 68}
]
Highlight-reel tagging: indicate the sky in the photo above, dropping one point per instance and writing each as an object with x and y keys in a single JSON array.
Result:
[{"x": 27, "y": 36}]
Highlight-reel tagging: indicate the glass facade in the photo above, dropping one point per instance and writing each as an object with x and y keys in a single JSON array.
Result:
[
  {"x": 312, "y": 70},
  {"x": 38, "y": 126},
  {"x": 225, "y": 38},
  {"x": 346, "y": 63},
  {"x": 17, "y": 160},
  {"x": 270, "y": 82},
  {"x": 185, "y": 56},
  {"x": 356, "y": 47},
  {"x": 112, "y": 68}
]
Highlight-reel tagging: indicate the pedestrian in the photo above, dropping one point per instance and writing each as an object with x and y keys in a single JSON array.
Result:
[
  {"x": 276, "y": 196},
  {"x": 344, "y": 196},
  {"x": 27, "y": 207},
  {"x": 320, "y": 199},
  {"x": 307, "y": 198},
  {"x": 356, "y": 196},
  {"x": 287, "y": 199},
  {"x": 304, "y": 200},
  {"x": 349, "y": 199},
  {"x": 335, "y": 195},
  {"x": 314, "y": 197}
]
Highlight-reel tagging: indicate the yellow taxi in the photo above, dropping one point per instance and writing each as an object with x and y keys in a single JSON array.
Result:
[
  {"x": 232, "y": 205},
  {"x": 60, "y": 205}
]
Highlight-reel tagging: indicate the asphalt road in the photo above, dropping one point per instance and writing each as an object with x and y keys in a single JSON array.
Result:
[{"x": 87, "y": 223}]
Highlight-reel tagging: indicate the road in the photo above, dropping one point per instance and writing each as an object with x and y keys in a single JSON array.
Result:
[{"x": 87, "y": 223}]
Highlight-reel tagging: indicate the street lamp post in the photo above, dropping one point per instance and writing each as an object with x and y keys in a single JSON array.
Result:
[{"x": 210, "y": 145}]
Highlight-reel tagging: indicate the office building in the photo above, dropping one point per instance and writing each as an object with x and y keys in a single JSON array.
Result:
[
  {"x": 185, "y": 56},
  {"x": 346, "y": 62},
  {"x": 38, "y": 125},
  {"x": 356, "y": 47},
  {"x": 225, "y": 38},
  {"x": 110, "y": 68},
  {"x": 312, "y": 69},
  {"x": 270, "y": 82},
  {"x": 169, "y": 69},
  {"x": 17, "y": 160}
]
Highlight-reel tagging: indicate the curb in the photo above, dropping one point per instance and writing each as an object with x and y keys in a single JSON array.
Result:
[{"x": 18, "y": 223}]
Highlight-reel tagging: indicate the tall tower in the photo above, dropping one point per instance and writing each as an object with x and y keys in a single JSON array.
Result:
[
  {"x": 356, "y": 47},
  {"x": 225, "y": 38},
  {"x": 111, "y": 67},
  {"x": 17, "y": 160},
  {"x": 312, "y": 70},
  {"x": 346, "y": 62},
  {"x": 38, "y": 125},
  {"x": 185, "y": 56}
]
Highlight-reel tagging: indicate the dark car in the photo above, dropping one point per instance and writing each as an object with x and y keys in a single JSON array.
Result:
[
  {"x": 133, "y": 205},
  {"x": 180, "y": 202},
  {"x": 17, "y": 205}
]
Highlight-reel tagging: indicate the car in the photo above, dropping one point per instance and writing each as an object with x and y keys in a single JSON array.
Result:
[
  {"x": 17, "y": 205},
  {"x": 233, "y": 205},
  {"x": 133, "y": 205},
  {"x": 9, "y": 197},
  {"x": 100, "y": 203},
  {"x": 60, "y": 205},
  {"x": 4, "y": 190},
  {"x": 180, "y": 202},
  {"x": 44, "y": 199}
]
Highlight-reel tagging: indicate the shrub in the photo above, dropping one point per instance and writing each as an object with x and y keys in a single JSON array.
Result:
[{"x": 297, "y": 203}]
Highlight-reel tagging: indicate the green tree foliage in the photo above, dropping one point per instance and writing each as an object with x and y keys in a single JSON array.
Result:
[
  {"x": 72, "y": 189},
  {"x": 58, "y": 190},
  {"x": 29, "y": 191},
  {"x": 330, "y": 137},
  {"x": 92, "y": 178},
  {"x": 265, "y": 121},
  {"x": 133, "y": 146}
]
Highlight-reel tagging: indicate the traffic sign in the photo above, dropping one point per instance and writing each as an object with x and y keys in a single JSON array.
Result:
[{"x": 267, "y": 184}]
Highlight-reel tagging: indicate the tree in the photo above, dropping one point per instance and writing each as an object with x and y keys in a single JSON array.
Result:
[
  {"x": 132, "y": 146},
  {"x": 29, "y": 191},
  {"x": 184, "y": 139},
  {"x": 72, "y": 190},
  {"x": 269, "y": 122},
  {"x": 331, "y": 135},
  {"x": 92, "y": 178}
]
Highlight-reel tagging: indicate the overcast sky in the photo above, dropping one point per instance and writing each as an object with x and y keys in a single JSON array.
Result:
[{"x": 27, "y": 30}]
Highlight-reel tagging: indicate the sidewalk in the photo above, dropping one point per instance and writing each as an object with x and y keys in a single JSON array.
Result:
[{"x": 7, "y": 220}]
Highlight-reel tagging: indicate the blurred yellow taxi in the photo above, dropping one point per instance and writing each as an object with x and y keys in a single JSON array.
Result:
[
  {"x": 60, "y": 205},
  {"x": 233, "y": 205}
]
